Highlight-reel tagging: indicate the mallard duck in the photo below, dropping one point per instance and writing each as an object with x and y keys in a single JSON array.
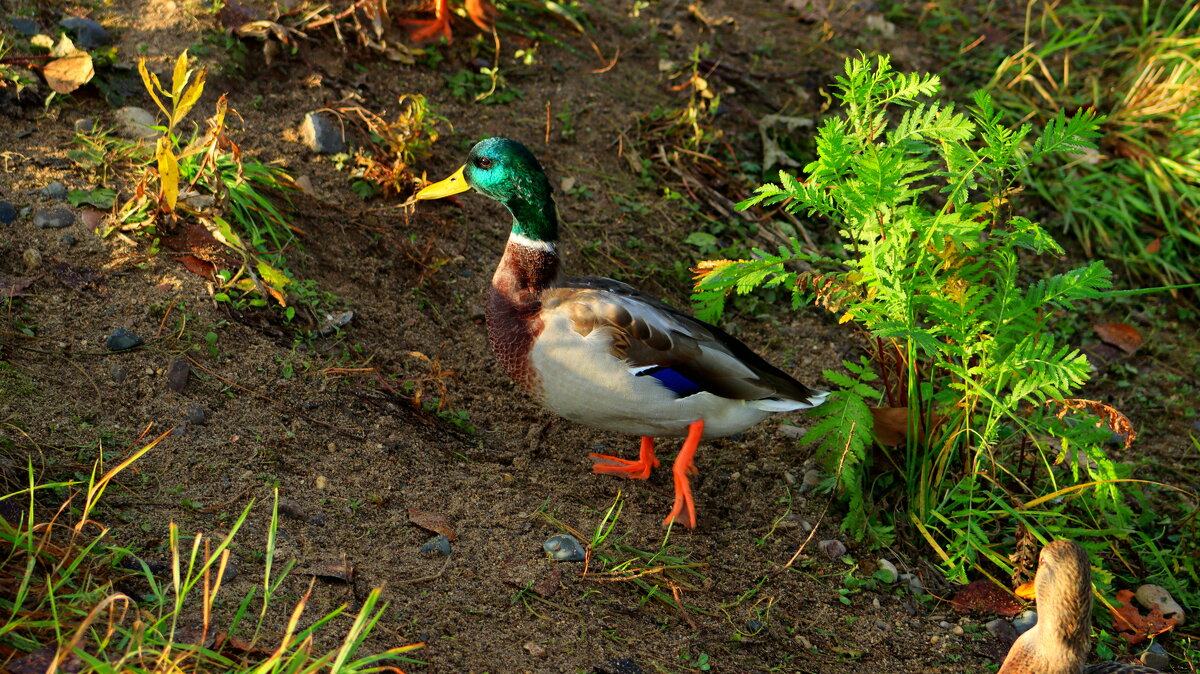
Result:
[
  {"x": 1060, "y": 641},
  {"x": 597, "y": 351}
]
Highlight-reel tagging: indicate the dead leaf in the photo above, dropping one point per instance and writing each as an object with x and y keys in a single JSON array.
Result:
[
  {"x": 432, "y": 521},
  {"x": 92, "y": 217},
  {"x": 984, "y": 596},
  {"x": 15, "y": 287},
  {"x": 1134, "y": 626},
  {"x": 482, "y": 12},
  {"x": 335, "y": 571},
  {"x": 76, "y": 278},
  {"x": 1121, "y": 335},
  {"x": 891, "y": 425},
  {"x": 1154, "y": 246},
  {"x": 67, "y": 74}
]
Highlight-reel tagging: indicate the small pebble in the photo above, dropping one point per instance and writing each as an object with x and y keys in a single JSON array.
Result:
[
  {"x": 957, "y": 630},
  {"x": 810, "y": 481},
  {"x": 122, "y": 339},
  {"x": 1024, "y": 622},
  {"x": 69, "y": 240},
  {"x": 439, "y": 544},
  {"x": 55, "y": 218},
  {"x": 915, "y": 586},
  {"x": 534, "y": 649},
  {"x": 790, "y": 431},
  {"x": 1154, "y": 596},
  {"x": 833, "y": 548},
  {"x": 1002, "y": 630},
  {"x": 1155, "y": 657},
  {"x": 118, "y": 373},
  {"x": 332, "y": 322},
  {"x": 85, "y": 125},
  {"x": 8, "y": 213},
  {"x": 564, "y": 548},
  {"x": 195, "y": 415},
  {"x": 754, "y": 626},
  {"x": 888, "y": 568},
  {"x": 322, "y": 135},
  {"x": 55, "y": 190},
  {"x": 32, "y": 258},
  {"x": 88, "y": 34},
  {"x": 178, "y": 373},
  {"x": 882, "y": 626},
  {"x": 134, "y": 123},
  {"x": 944, "y": 625}
]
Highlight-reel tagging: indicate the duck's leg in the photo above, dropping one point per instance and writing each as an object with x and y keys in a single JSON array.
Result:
[
  {"x": 684, "y": 511},
  {"x": 423, "y": 30},
  {"x": 637, "y": 470}
]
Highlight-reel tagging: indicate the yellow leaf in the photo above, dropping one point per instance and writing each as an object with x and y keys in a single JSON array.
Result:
[
  {"x": 67, "y": 74},
  {"x": 184, "y": 104},
  {"x": 180, "y": 77},
  {"x": 149, "y": 80},
  {"x": 225, "y": 234},
  {"x": 272, "y": 276},
  {"x": 168, "y": 172},
  {"x": 848, "y": 316}
]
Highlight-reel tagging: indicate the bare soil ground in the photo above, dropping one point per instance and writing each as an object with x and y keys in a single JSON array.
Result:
[{"x": 350, "y": 454}]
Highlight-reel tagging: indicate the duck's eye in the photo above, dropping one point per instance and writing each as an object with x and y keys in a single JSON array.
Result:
[{"x": 484, "y": 163}]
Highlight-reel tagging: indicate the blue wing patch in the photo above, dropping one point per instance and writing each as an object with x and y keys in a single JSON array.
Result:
[{"x": 678, "y": 384}]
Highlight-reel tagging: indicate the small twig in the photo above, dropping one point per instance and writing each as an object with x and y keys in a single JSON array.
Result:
[
  {"x": 832, "y": 495},
  {"x": 422, "y": 579},
  {"x": 221, "y": 506}
]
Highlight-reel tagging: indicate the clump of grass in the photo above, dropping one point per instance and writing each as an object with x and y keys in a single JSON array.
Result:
[
  {"x": 1136, "y": 199},
  {"x": 59, "y": 593}
]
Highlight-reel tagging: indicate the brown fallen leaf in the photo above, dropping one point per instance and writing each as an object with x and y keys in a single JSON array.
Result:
[
  {"x": 984, "y": 596},
  {"x": 1134, "y": 626},
  {"x": 70, "y": 72},
  {"x": 335, "y": 571},
  {"x": 1154, "y": 246},
  {"x": 1121, "y": 335},
  {"x": 15, "y": 287},
  {"x": 432, "y": 521}
]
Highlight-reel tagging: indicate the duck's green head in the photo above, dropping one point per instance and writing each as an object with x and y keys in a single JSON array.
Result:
[{"x": 506, "y": 171}]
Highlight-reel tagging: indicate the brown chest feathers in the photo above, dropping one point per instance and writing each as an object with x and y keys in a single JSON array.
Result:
[{"x": 513, "y": 308}]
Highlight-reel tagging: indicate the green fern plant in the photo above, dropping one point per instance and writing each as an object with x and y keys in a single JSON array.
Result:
[{"x": 930, "y": 271}]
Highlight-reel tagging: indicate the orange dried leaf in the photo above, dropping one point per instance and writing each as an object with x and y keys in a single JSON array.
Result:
[
  {"x": 1154, "y": 246},
  {"x": 984, "y": 596},
  {"x": 482, "y": 12},
  {"x": 1121, "y": 335},
  {"x": 67, "y": 74},
  {"x": 433, "y": 521},
  {"x": 1026, "y": 591},
  {"x": 1134, "y": 626}
]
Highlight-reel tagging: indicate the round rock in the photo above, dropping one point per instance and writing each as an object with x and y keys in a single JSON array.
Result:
[
  {"x": 832, "y": 548},
  {"x": 1024, "y": 622},
  {"x": 55, "y": 190},
  {"x": 1154, "y": 596},
  {"x": 26, "y": 27},
  {"x": 1155, "y": 657},
  {"x": 322, "y": 135},
  {"x": 889, "y": 568},
  {"x": 1002, "y": 630},
  {"x": 134, "y": 123},
  {"x": 564, "y": 548},
  {"x": 32, "y": 259},
  {"x": 122, "y": 339},
  {"x": 55, "y": 218},
  {"x": 88, "y": 34},
  {"x": 438, "y": 544},
  {"x": 195, "y": 415},
  {"x": 8, "y": 214}
]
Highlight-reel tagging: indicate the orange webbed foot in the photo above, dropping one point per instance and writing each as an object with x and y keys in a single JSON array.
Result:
[
  {"x": 684, "y": 511},
  {"x": 634, "y": 470}
]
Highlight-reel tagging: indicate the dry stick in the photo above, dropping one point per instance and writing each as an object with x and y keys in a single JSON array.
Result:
[
  {"x": 841, "y": 462},
  {"x": 349, "y": 431},
  {"x": 547, "y": 141},
  {"x": 422, "y": 579}
]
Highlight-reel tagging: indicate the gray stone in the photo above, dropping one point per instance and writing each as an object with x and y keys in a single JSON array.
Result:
[
  {"x": 889, "y": 568},
  {"x": 55, "y": 218},
  {"x": 118, "y": 373},
  {"x": 55, "y": 190},
  {"x": 833, "y": 548},
  {"x": 26, "y": 27},
  {"x": 322, "y": 135},
  {"x": 178, "y": 373},
  {"x": 1155, "y": 657},
  {"x": 32, "y": 258},
  {"x": 1154, "y": 596},
  {"x": 195, "y": 415},
  {"x": 85, "y": 125},
  {"x": 439, "y": 544},
  {"x": 122, "y": 339},
  {"x": 69, "y": 240},
  {"x": 809, "y": 482},
  {"x": 134, "y": 123},
  {"x": 88, "y": 34},
  {"x": 8, "y": 213},
  {"x": 1024, "y": 622},
  {"x": 564, "y": 548}
]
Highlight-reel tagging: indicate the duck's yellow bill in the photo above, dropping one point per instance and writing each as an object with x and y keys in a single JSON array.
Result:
[
  {"x": 1026, "y": 591},
  {"x": 443, "y": 188}
]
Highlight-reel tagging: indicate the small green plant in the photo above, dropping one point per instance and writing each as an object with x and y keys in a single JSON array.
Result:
[
  {"x": 965, "y": 386},
  {"x": 487, "y": 86},
  {"x": 384, "y": 166}
]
